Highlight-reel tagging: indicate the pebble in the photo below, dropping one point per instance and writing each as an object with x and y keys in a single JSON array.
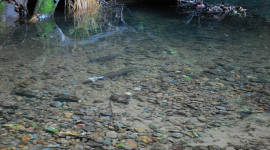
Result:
[
  {"x": 54, "y": 145},
  {"x": 140, "y": 130},
  {"x": 64, "y": 142},
  {"x": 128, "y": 94},
  {"x": 212, "y": 67},
  {"x": 230, "y": 79},
  {"x": 56, "y": 104},
  {"x": 163, "y": 140},
  {"x": 137, "y": 89},
  {"x": 81, "y": 125},
  {"x": 65, "y": 98},
  {"x": 120, "y": 98},
  {"x": 107, "y": 141},
  {"x": 146, "y": 139},
  {"x": 33, "y": 137},
  {"x": 25, "y": 138},
  {"x": 190, "y": 134},
  {"x": 221, "y": 107},
  {"x": 177, "y": 135},
  {"x": 19, "y": 98},
  {"x": 130, "y": 144},
  {"x": 111, "y": 134},
  {"x": 97, "y": 138},
  {"x": 202, "y": 119},
  {"x": 67, "y": 115},
  {"x": 75, "y": 117},
  {"x": 107, "y": 113},
  {"x": 79, "y": 146},
  {"x": 152, "y": 126},
  {"x": 24, "y": 92},
  {"x": 3, "y": 121}
]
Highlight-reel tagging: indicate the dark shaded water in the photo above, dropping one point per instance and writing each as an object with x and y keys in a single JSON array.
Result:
[{"x": 227, "y": 61}]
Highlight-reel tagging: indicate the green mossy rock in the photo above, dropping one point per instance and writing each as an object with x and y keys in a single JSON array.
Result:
[{"x": 2, "y": 6}]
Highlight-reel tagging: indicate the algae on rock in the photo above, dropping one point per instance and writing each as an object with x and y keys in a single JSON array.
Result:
[
  {"x": 2, "y": 6},
  {"x": 44, "y": 9}
]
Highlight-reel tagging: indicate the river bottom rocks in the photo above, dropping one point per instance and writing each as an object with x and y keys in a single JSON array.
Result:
[
  {"x": 166, "y": 104},
  {"x": 162, "y": 113}
]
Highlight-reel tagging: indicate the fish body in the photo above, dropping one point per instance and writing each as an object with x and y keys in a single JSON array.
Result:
[
  {"x": 117, "y": 73},
  {"x": 103, "y": 59}
]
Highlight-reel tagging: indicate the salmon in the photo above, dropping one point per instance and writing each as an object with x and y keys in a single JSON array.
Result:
[{"x": 117, "y": 73}]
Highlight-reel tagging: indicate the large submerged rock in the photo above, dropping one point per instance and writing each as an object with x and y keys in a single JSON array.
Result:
[{"x": 9, "y": 16}]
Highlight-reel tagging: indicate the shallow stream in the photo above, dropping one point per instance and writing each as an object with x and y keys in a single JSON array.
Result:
[{"x": 182, "y": 79}]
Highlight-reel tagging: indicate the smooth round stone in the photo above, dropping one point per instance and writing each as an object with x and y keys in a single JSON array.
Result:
[
  {"x": 107, "y": 141},
  {"x": 19, "y": 98},
  {"x": 230, "y": 79},
  {"x": 202, "y": 119},
  {"x": 221, "y": 107},
  {"x": 177, "y": 135},
  {"x": 130, "y": 144},
  {"x": 163, "y": 140},
  {"x": 75, "y": 117},
  {"x": 137, "y": 89},
  {"x": 79, "y": 146},
  {"x": 111, "y": 134},
  {"x": 128, "y": 93},
  {"x": 64, "y": 142},
  {"x": 56, "y": 104}
]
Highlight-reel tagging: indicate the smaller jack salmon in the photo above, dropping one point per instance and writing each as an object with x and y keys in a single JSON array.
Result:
[
  {"x": 117, "y": 73},
  {"x": 103, "y": 59}
]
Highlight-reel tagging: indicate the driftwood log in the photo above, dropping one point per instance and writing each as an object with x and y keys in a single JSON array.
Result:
[{"x": 201, "y": 9}]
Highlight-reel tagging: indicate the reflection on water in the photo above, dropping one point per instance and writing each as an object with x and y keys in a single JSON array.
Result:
[{"x": 188, "y": 79}]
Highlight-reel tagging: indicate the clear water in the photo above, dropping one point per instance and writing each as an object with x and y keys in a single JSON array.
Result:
[
  {"x": 228, "y": 60},
  {"x": 153, "y": 34}
]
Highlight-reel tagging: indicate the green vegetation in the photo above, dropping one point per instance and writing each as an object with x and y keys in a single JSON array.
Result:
[
  {"x": 45, "y": 6},
  {"x": 85, "y": 24},
  {"x": 91, "y": 5},
  {"x": 85, "y": 13},
  {"x": 2, "y": 6}
]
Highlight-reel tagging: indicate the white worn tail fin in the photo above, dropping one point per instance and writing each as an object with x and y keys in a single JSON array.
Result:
[{"x": 95, "y": 78}]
